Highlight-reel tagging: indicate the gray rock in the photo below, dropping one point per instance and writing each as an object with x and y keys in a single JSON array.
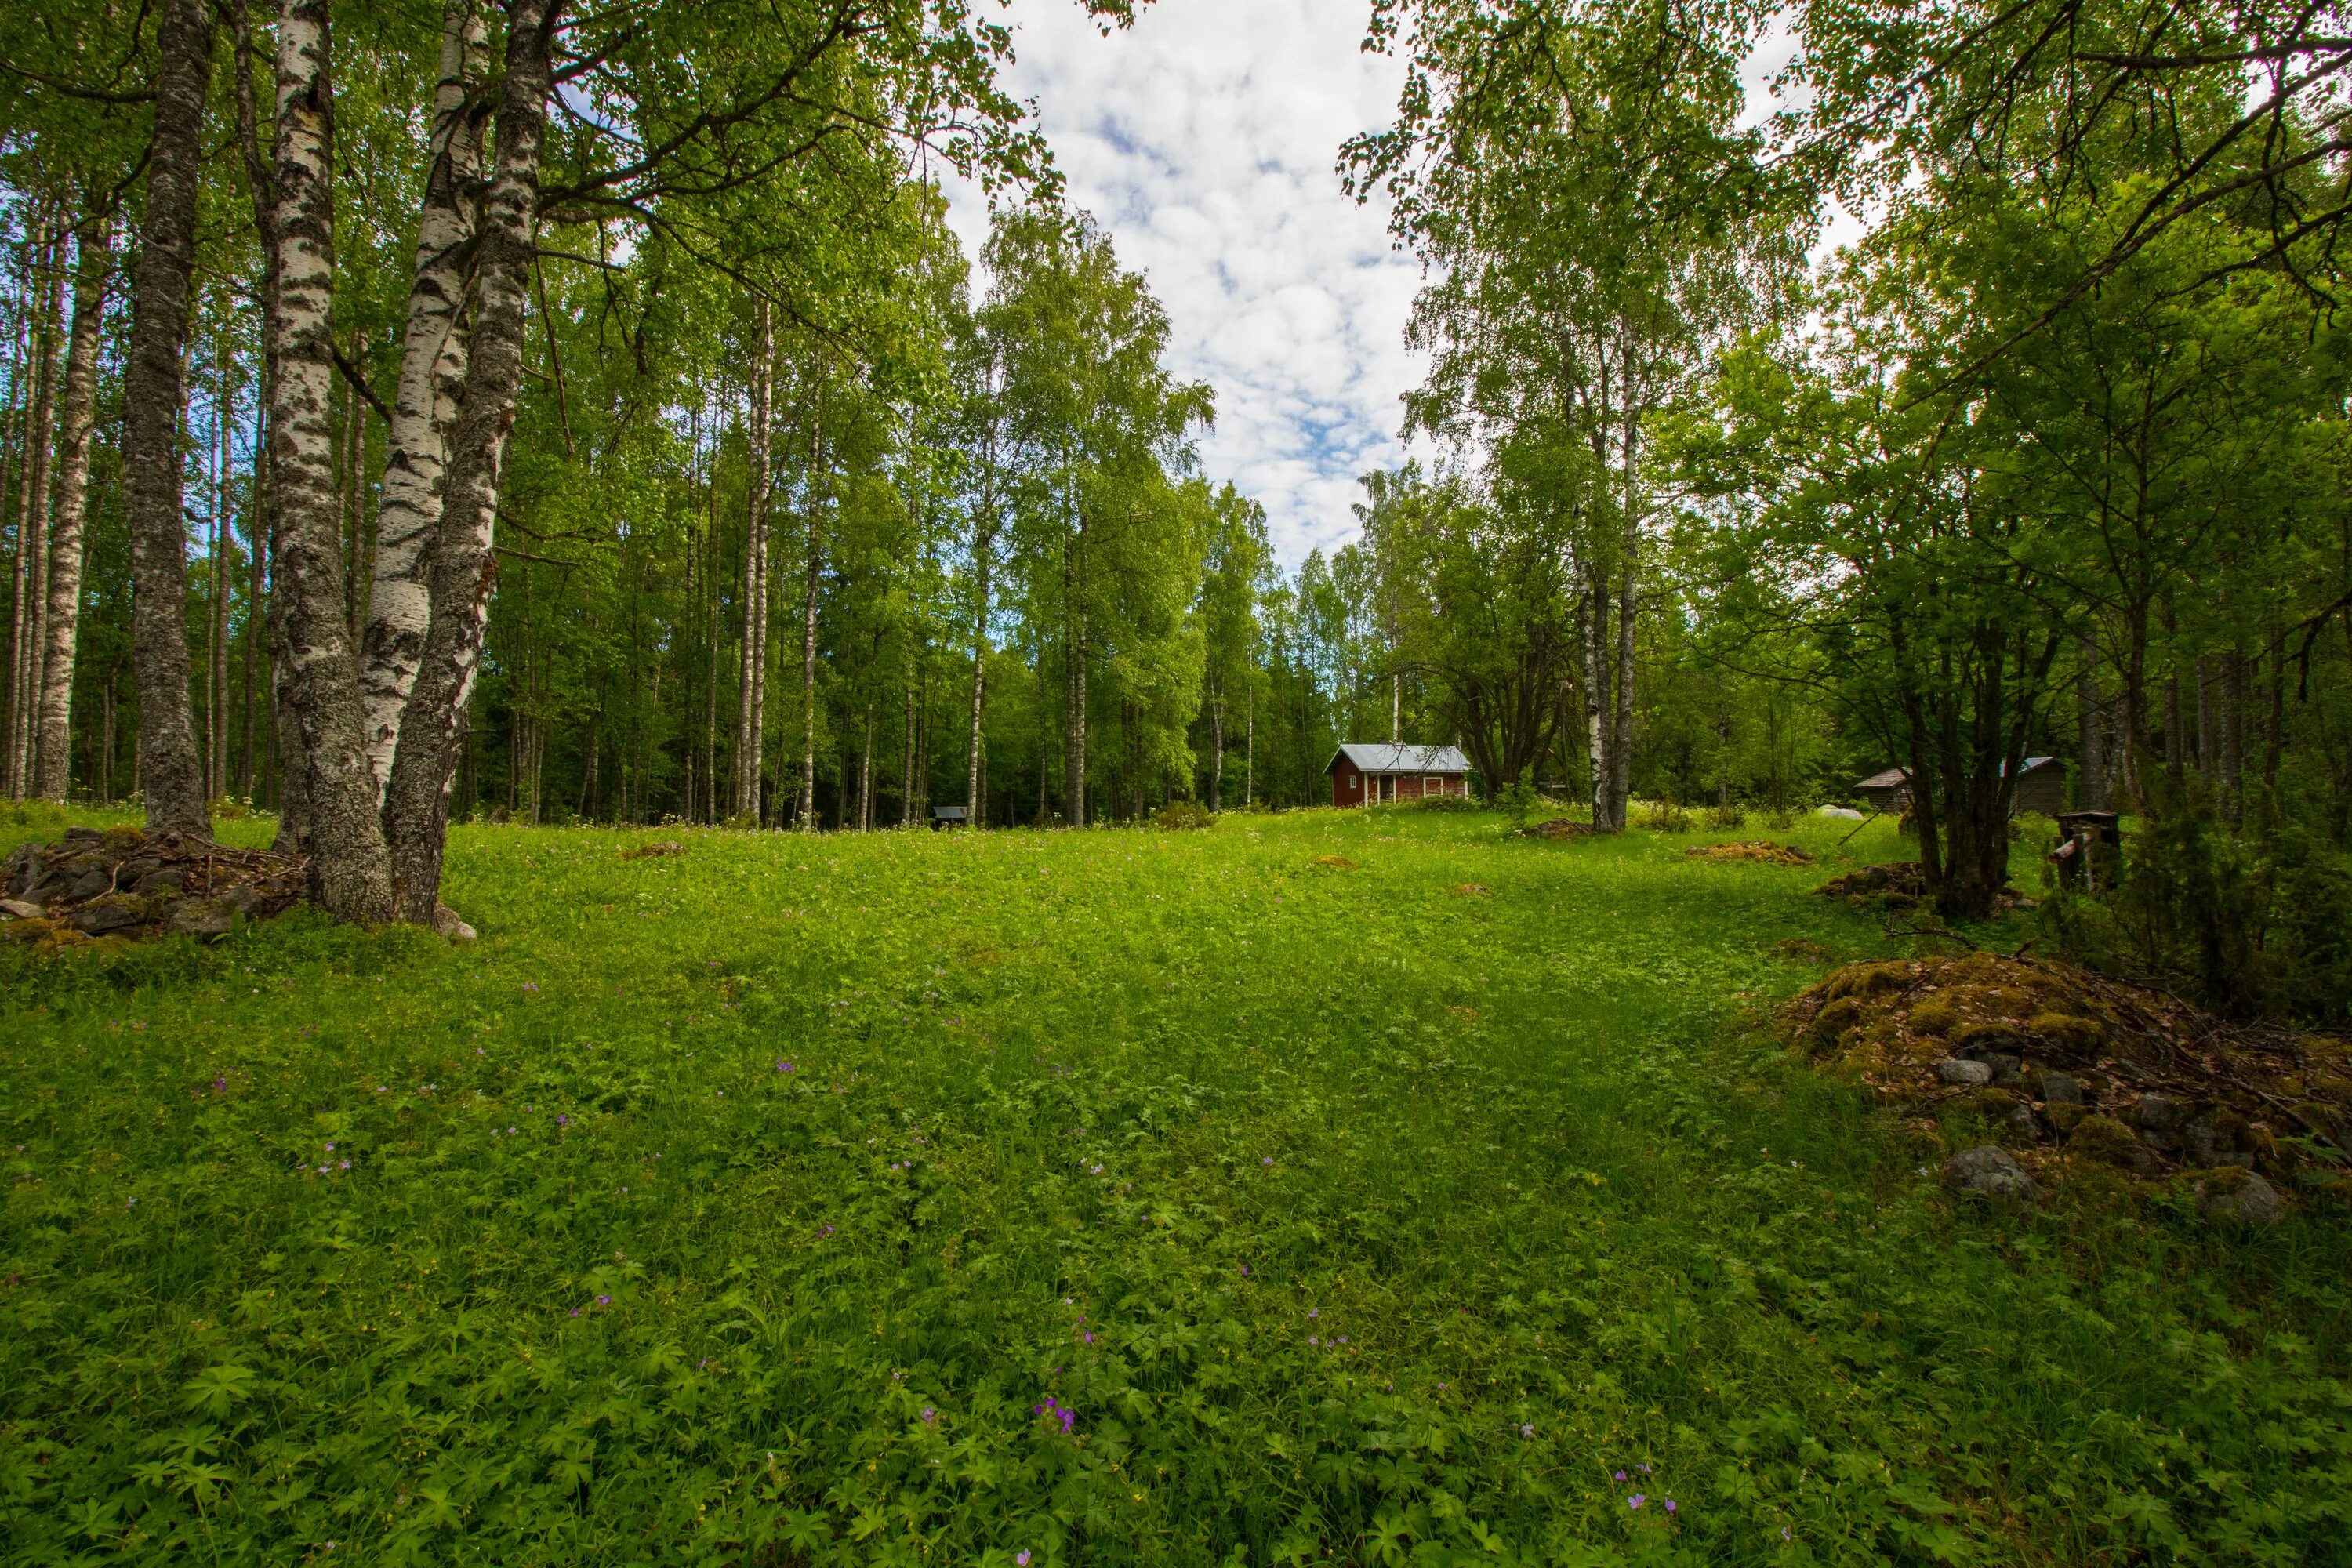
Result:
[
  {"x": 1988, "y": 1173},
  {"x": 204, "y": 917},
  {"x": 446, "y": 923},
  {"x": 2008, "y": 1071},
  {"x": 168, "y": 879},
  {"x": 2021, "y": 1116},
  {"x": 18, "y": 909},
  {"x": 97, "y": 919},
  {"x": 2251, "y": 1201},
  {"x": 2060, "y": 1089},
  {"x": 2215, "y": 1139},
  {"x": 1972, "y": 1075},
  {"x": 90, "y": 883},
  {"x": 2159, "y": 1119}
]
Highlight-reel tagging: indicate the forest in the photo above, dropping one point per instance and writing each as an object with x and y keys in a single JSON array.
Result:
[{"x": 672, "y": 886}]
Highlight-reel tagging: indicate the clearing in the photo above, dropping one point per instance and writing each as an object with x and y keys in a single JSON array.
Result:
[{"x": 1364, "y": 1187}]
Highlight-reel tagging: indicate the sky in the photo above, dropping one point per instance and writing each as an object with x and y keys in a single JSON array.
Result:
[{"x": 1205, "y": 141}]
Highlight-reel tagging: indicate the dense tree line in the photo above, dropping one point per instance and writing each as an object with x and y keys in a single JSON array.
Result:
[{"x": 562, "y": 415}]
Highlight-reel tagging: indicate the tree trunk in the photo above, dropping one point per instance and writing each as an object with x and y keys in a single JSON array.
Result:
[
  {"x": 417, "y": 803},
  {"x": 1249, "y": 766},
  {"x": 804, "y": 814},
  {"x": 1620, "y": 729},
  {"x": 33, "y": 527},
  {"x": 751, "y": 717},
  {"x": 982, "y": 550},
  {"x": 76, "y": 418},
  {"x": 151, "y": 395},
  {"x": 1596, "y": 691},
  {"x": 1074, "y": 753},
  {"x": 350, "y": 866},
  {"x": 434, "y": 363},
  {"x": 1217, "y": 751}
]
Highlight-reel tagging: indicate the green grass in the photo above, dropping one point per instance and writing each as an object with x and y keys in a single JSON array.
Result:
[{"x": 744, "y": 1205}]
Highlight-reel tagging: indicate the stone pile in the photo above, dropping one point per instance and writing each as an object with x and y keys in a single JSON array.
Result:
[
  {"x": 121, "y": 883},
  {"x": 2072, "y": 1070}
]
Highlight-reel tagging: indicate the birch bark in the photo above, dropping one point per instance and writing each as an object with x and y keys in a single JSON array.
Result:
[
  {"x": 416, "y": 801},
  {"x": 350, "y": 866},
  {"x": 75, "y": 413},
  {"x": 805, "y": 814},
  {"x": 752, "y": 717},
  {"x": 31, "y": 533},
  {"x": 432, "y": 378},
  {"x": 151, "y": 395}
]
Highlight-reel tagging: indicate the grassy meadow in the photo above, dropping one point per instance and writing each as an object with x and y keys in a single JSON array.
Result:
[{"x": 1105, "y": 1197}]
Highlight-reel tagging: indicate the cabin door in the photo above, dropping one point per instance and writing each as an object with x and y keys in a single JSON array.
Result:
[{"x": 1388, "y": 786}]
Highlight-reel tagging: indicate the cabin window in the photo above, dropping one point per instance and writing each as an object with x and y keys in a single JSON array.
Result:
[{"x": 1434, "y": 784}]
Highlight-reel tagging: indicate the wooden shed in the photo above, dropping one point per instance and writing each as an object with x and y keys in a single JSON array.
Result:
[
  {"x": 1364, "y": 774},
  {"x": 2041, "y": 786}
]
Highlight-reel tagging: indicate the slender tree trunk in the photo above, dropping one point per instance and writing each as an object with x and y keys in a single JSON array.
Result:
[
  {"x": 217, "y": 633},
  {"x": 1249, "y": 767},
  {"x": 1217, "y": 751},
  {"x": 417, "y": 801},
  {"x": 20, "y": 561},
  {"x": 1621, "y": 729},
  {"x": 983, "y": 550},
  {"x": 1596, "y": 693},
  {"x": 434, "y": 364},
  {"x": 169, "y": 772},
  {"x": 805, "y": 816},
  {"x": 350, "y": 866},
  {"x": 750, "y": 729},
  {"x": 866, "y": 775},
  {"x": 31, "y": 533},
  {"x": 75, "y": 421},
  {"x": 1074, "y": 753}
]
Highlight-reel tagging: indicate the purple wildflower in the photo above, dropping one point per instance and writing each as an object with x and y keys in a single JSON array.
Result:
[
  {"x": 1670, "y": 1505},
  {"x": 1310, "y": 1339},
  {"x": 1268, "y": 1160},
  {"x": 783, "y": 1066},
  {"x": 1636, "y": 1500},
  {"x": 604, "y": 1301},
  {"x": 1022, "y": 1557},
  {"x": 1527, "y": 1428},
  {"x": 530, "y": 986},
  {"x": 1620, "y": 1475}
]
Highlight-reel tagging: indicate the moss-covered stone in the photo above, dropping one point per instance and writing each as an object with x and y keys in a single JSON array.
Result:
[
  {"x": 2107, "y": 1141},
  {"x": 2067, "y": 1035}
]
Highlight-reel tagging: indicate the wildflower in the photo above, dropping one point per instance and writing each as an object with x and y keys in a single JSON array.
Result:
[
  {"x": 563, "y": 1121},
  {"x": 219, "y": 1084},
  {"x": 783, "y": 1066},
  {"x": 575, "y": 1312},
  {"x": 1784, "y": 1532},
  {"x": 1268, "y": 1160},
  {"x": 1636, "y": 1500},
  {"x": 1245, "y": 1270},
  {"x": 1314, "y": 1311},
  {"x": 510, "y": 1129},
  {"x": 1022, "y": 1557},
  {"x": 1670, "y": 1505},
  {"x": 1620, "y": 1475},
  {"x": 1094, "y": 1170},
  {"x": 1310, "y": 1339},
  {"x": 1643, "y": 1468},
  {"x": 530, "y": 986},
  {"x": 930, "y": 1415},
  {"x": 1527, "y": 1428},
  {"x": 604, "y": 1301},
  {"x": 343, "y": 1164}
]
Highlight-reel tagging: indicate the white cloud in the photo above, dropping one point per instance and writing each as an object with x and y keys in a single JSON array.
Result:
[{"x": 1205, "y": 141}]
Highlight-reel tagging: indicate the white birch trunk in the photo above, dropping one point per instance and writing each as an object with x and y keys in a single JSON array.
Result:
[
  {"x": 417, "y": 803},
  {"x": 751, "y": 718},
  {"x": 350, "y": 868},
  {"x": 76, "y": 418},
  {"x": 433, "y": 364}
]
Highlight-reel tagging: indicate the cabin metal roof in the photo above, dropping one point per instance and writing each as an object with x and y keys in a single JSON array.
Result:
[
  {"x": 1895, "y": 778},
  {"x": 1382, "y": 758}
]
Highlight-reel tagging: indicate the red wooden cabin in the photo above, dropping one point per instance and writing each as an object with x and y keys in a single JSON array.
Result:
[{"x": 1366, "y": 775}]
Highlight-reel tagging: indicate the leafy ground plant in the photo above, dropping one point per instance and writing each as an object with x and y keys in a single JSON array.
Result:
[{"x": 1244, "y": 1196}]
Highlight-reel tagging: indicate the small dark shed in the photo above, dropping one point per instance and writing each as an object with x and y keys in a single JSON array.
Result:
[
  {"x": 947, "y": 817},
  {"x": 2041, "y": 786},
  {"x": 1362, "y": 774}
]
